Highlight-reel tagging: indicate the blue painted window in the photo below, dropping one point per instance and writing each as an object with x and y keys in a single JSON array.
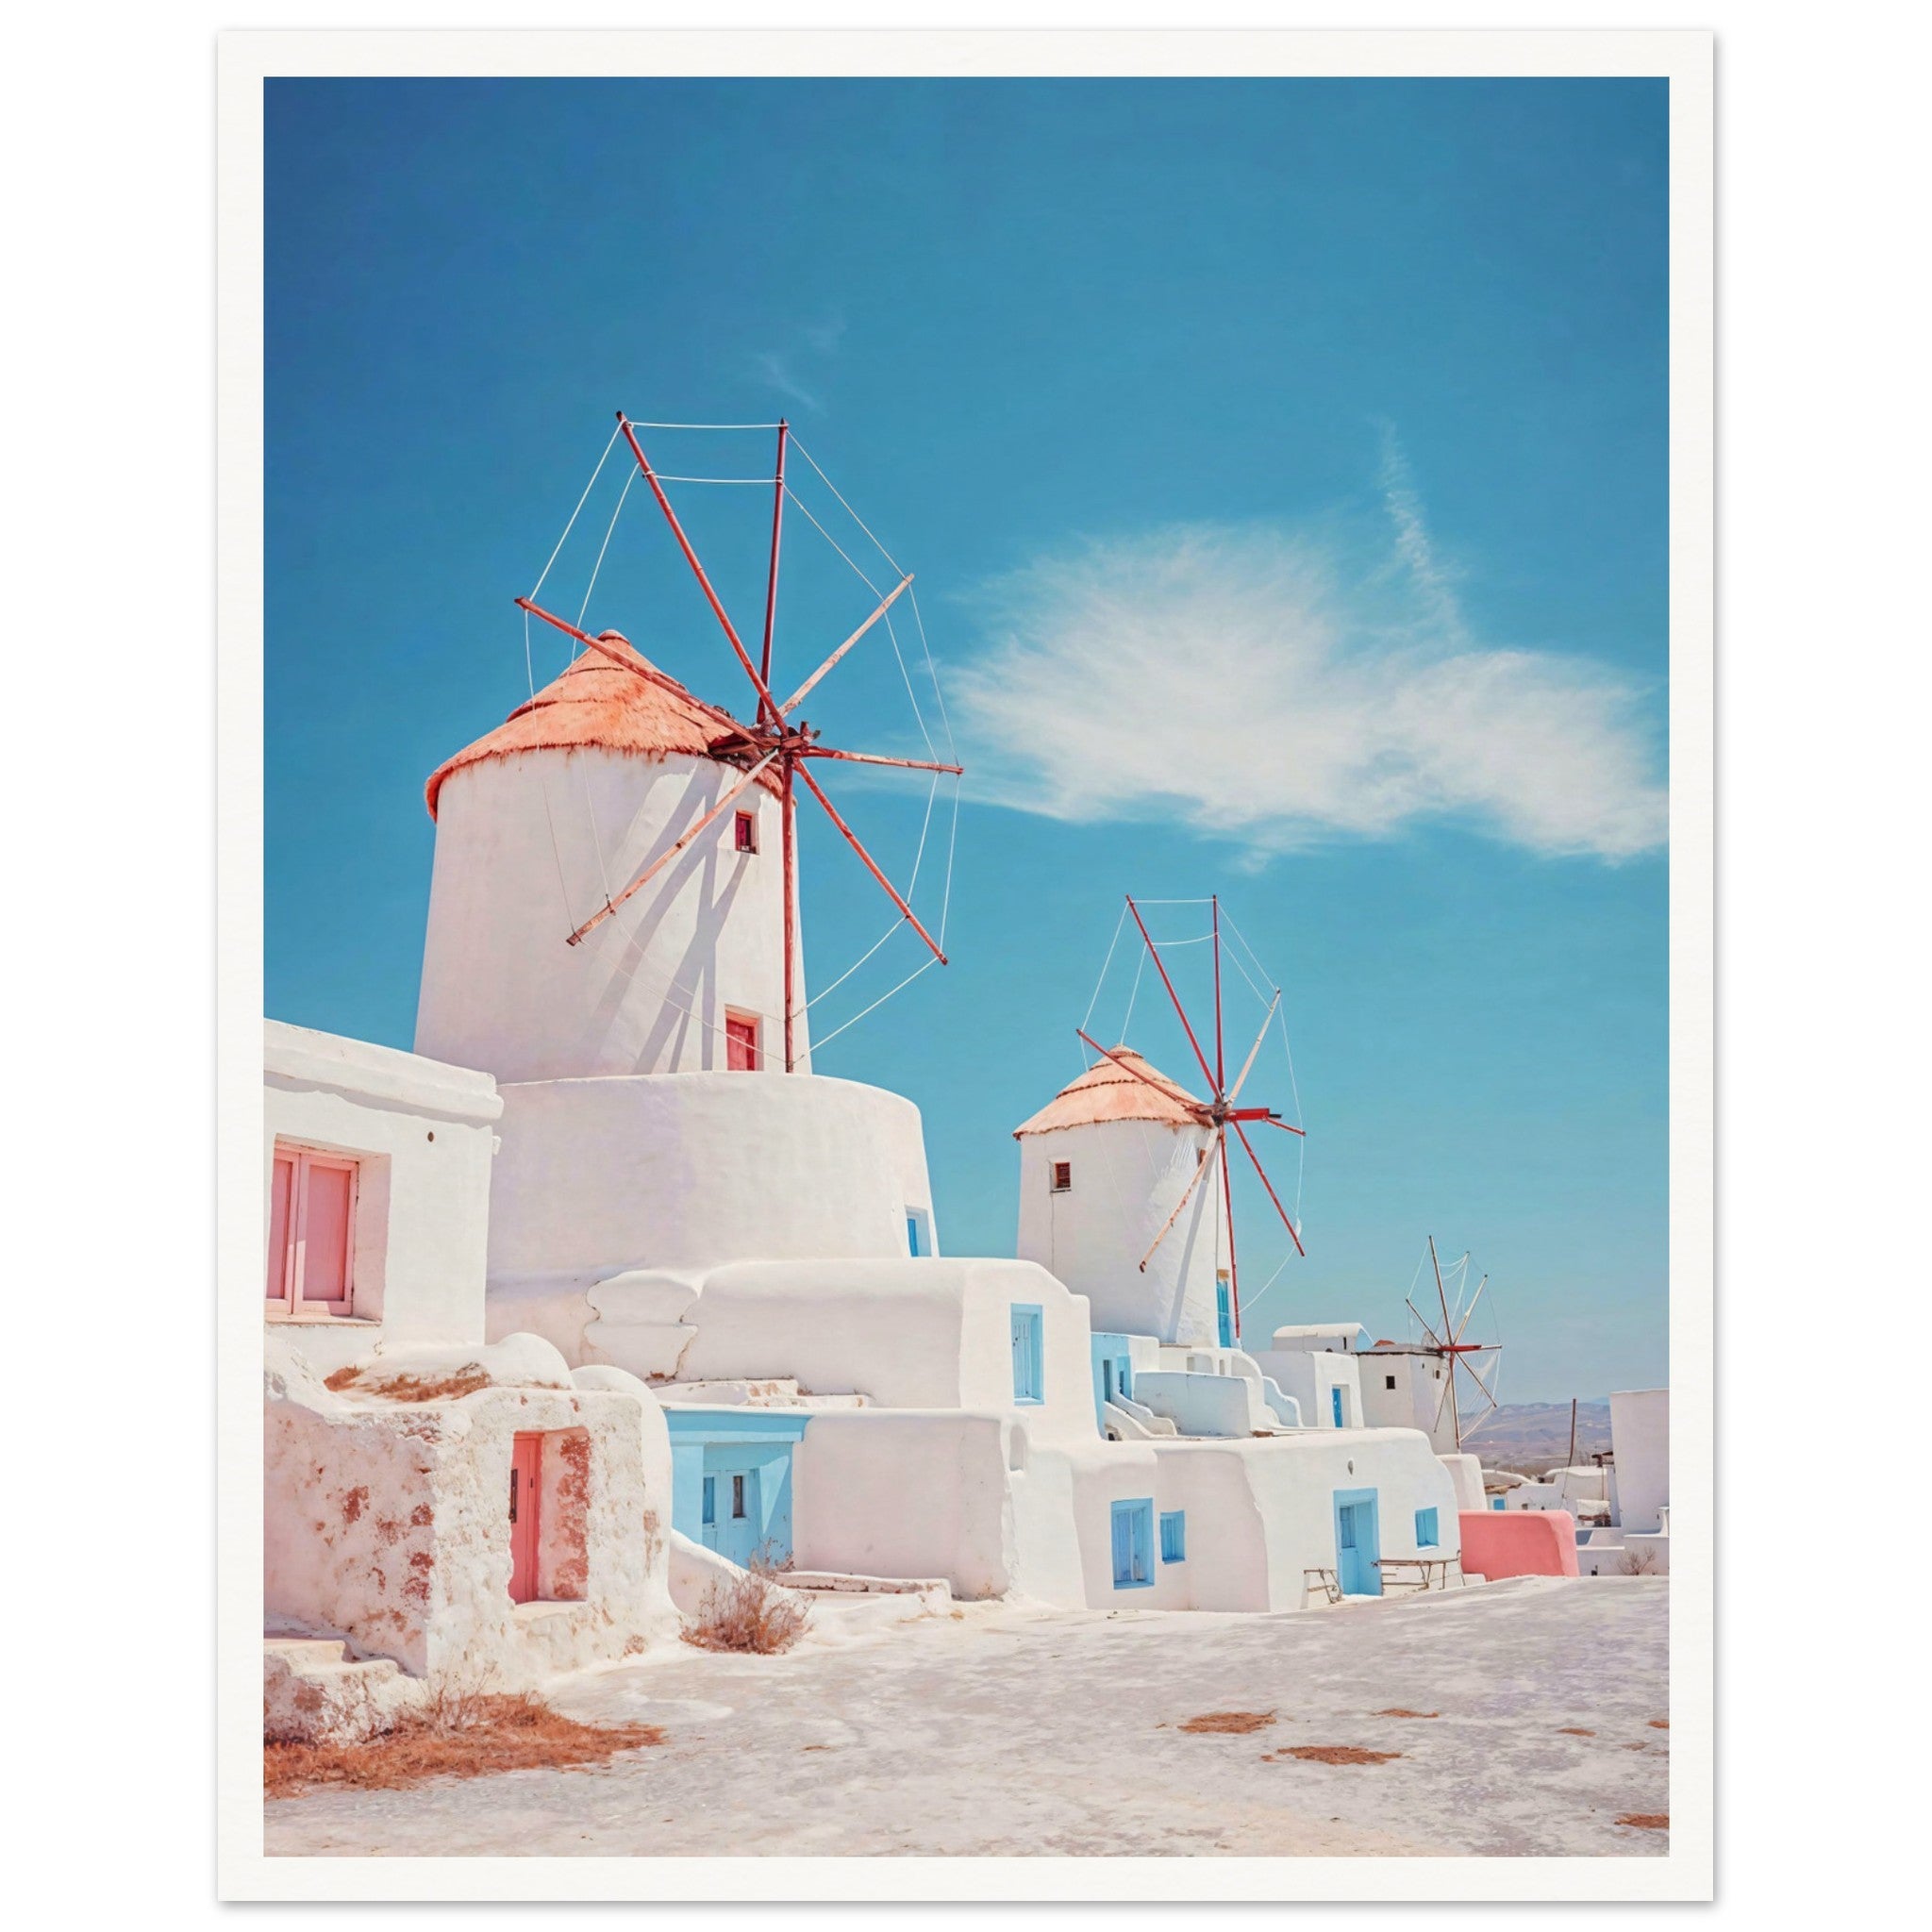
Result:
[
  {"x": 912, "y": 1234},
  {"x": 1335, "y": 1403},
  {"x": 1029, "y": 1376},
  {"x": 1133, "y": 1544},
  {"x": 1173, "y": 1536},
  {"x": 1425, "y": 1533},
  {"x": 710, "y": 1506},
  {"x": 1496, "y": 1502},
  {"x": 1224, "y": 1314}
]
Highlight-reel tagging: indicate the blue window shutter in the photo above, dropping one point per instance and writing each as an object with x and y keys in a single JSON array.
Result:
[
  {"x": 1425, "y": 1532},
  {"x": 709, "y": 1513},
  {"x": 912, "y": 1234},
  {"x": 1335, "y": 1403},
  {"x": 1173, "y": 1536}
]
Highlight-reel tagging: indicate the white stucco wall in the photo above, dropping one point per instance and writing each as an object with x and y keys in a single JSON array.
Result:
[
  {"x": 1126, "y": 1178},
  {"x": 1641, "y": 1437},
  {"x": 421, "y": 1134},
  {"x": 1310, "y": 1375},
  {"x": 685, "y": 1172},
  {"x": 647, "y": 992},
  {"x": 919, "y": 1335}
]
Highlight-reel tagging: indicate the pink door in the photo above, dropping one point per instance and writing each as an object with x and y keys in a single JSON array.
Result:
[
  {"x": 740, "y": 1044},
  {"x": 525, "y": 1463}
]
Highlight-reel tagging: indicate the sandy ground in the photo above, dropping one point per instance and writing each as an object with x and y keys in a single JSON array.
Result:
[{"x": 1001, "y": 1730}]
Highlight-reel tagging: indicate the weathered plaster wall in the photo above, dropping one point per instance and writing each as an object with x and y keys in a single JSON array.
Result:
[
  {"x": 647, "y": 992},
  {"x": 1497, "y": 1543},
  {"x": 387, "y": 1522}
]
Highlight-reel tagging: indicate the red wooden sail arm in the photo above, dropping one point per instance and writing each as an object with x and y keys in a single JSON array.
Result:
[
  {"x": 1249, "y": 1113},
  {"x": 1438, "y": 1346},
  {"x": 1146, "y": 1080},
  {"x": 648, "y": 673},
  {"x": 812, "y": 785},
  {"x": 797, "y": 697},
  {"x": 869, "y": 758},
  {"x": 768, "y": 704},
  {"x": 1272, "y": 1194},
  {"x": 788, "y": 808},
  {"x": 772, "y": 578},
  {"x": 1207, "y": 1071},
  {"x": 1234, "y": 1270},
  {"x": 1286, "y": 1128},
  {"x": 1240, "y": 1079},
  {"x": 664, "y": 858},
  {"x": 1187, "y": 1194}
]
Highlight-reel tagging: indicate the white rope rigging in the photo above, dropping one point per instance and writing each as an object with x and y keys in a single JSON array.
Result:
[{"x": 674, "y": 996}]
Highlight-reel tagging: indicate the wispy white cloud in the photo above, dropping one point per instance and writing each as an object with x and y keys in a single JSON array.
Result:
[
  {"x": 796, "y": 370},
  {"x": 1277, "y": 687}
]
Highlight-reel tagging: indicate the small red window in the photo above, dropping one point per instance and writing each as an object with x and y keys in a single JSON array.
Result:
[
  {"x": 1064, "y": 1177},
  {"x": 746, "y": 831},
  {"x": 741, "y": 1043}
]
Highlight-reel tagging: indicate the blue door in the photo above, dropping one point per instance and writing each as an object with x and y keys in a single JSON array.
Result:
[
  {"x": 1224, "y": 1313},
  {"x": 1357, "y": 1544},
  {"x": 1133, "y": 1543},
  {"x": 1335, "y": 1403}
]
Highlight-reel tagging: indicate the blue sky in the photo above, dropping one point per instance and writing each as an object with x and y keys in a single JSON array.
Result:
[{"x": 1284, "y": 469}]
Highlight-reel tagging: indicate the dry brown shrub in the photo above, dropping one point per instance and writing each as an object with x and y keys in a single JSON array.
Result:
[
  {"x": 457, "y": 1734},
  {"x": 1639, "y": 1562},
  {"x": 1647, "y": 1821},
  {"x": 1574, "y": 1731},
  {"x": 1338, "y": 1753},
  {"x": 450, "y": 1387},
  {"x": 1396, "y": 1710},
  {"x": 1659, "y": 1723},
  {"x": 1228, "y": 1724},
  {"x": 751, "y": 1612}
]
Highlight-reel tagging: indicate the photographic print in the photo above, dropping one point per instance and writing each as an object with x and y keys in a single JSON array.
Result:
[{"x": 971, "y": 800}]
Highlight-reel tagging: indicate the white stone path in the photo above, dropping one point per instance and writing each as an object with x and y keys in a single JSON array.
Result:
[{"x": 1001, "y": 1731}]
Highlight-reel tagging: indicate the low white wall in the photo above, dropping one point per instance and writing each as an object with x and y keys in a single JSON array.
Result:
[
  {"x": 1197, "y": 1405},
  {"x": 885, "y": 1493},
  {"x": 423, "y": 1134},
  {"x": 1466, "y": 1473}
]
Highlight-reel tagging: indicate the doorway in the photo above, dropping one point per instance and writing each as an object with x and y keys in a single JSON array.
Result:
[
  {"x": 526, "y": 1475},
  {"x": 1357, "y": 1543}
]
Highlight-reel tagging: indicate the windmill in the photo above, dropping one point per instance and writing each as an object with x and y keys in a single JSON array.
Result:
[
  {"x": 1450, "y": 1347},
  {"x": 1217, "y": 1115},
  {"x": 776, "y": 744}
]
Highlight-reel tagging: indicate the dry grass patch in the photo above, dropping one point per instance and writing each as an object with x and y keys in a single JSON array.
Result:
[
  {"x": 1396, "y": 1710},
  {"x": 449, "y": 1388},
  {"x": 1338, "y": 1753},
  {"x": 1574, "y": 1731},
  {"x": 751, "y": 1614},
  {"x": 472, "y": 1736},
  {"x": 1659, "y": 1723},
  {"x": 1647, "y": 1821},
  {"x": 1228, "y": 1724}
]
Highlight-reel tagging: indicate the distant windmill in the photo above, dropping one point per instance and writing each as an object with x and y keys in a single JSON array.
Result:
[
  {"x": 1456, "y": 1352},
  {"x": 1217, "y": 1115}
]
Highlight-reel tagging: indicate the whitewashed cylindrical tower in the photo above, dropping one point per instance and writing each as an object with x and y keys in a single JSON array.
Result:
[
  {"x": 1102, "y": 1168},
  {"x": 547, "y": 818}
]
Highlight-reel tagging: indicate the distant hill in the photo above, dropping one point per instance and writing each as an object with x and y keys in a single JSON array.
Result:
[{"x": 1531, "y": 1437}]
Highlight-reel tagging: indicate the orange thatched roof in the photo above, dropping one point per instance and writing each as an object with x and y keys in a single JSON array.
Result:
[
  {"x": 1109, "y": 1093},
  {"x": 599, "y": 702}
]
